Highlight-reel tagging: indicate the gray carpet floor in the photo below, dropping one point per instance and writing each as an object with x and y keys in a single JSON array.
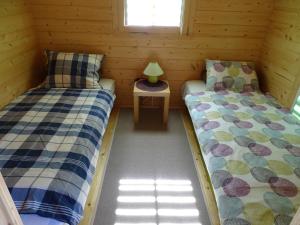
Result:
[{"x": 151, "y": 178}]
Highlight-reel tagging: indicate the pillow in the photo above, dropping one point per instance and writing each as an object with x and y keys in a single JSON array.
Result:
[
  {"x": 235, "y": 76},
  {"x": 73, "y": 70}
]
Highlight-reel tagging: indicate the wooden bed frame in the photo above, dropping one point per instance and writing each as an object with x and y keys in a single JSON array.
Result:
[
  {"x": 95, "y": 191},
  {"x": 296, "y": 219},
  {"x": 8, "y": 212},
  {"x": 204, "y": 179}
]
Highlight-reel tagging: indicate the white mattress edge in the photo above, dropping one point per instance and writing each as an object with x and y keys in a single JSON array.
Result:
[{"x": 193, "y": 86}]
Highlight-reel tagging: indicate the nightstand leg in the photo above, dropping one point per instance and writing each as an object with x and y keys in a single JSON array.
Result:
[
  {"x": 136, "y": 108},
  {"x": 166, "y": 110}
]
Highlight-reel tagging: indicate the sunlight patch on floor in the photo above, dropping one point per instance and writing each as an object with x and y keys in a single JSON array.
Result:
[{"x": 156, "y": 202}]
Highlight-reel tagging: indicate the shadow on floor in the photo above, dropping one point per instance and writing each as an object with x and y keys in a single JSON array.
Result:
[{"x": 151, "y": 120}]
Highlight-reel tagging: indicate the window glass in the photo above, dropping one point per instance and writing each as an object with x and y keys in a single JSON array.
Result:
[
  {"x": 296, "y": 109},
  {"x": 153, "y": 13}
]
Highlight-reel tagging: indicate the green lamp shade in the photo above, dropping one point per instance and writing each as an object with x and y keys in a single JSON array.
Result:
[{"x": 153, "y": 71}]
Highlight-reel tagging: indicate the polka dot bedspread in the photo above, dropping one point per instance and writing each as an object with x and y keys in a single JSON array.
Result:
[{"x": 251, "y": 148}]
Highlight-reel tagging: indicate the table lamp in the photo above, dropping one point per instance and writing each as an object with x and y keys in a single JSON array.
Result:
[{"x": 153, "y": 71}]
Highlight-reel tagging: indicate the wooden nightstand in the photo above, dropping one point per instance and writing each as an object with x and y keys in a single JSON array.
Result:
[{"x": 137, "y": 93}]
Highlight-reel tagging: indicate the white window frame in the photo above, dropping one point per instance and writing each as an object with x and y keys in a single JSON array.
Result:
[
  {"x": 119, "y": 20},
  {"x": 295, "y": 101}
]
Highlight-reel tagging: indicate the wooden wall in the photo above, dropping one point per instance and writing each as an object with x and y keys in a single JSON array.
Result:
[
  {"x": 280, "y": 61},
  {"x": 19, "y": 68},
  {"x": 227, "y": 29}
]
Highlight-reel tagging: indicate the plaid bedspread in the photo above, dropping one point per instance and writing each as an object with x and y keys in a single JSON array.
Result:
[{"x": 49, "y": 145}]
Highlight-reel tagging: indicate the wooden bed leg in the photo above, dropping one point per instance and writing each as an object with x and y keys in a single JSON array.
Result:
[{"x": 8, "y": 212}]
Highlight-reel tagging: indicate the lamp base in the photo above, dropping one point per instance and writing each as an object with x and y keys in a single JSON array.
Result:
[{"x": 152, "y": 79}]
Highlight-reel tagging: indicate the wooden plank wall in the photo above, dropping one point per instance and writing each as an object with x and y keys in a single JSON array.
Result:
[
  {"x": 227, "y": 29},
  {"x": 19, "y": 69},
  {"x": 280, "y": 62}
]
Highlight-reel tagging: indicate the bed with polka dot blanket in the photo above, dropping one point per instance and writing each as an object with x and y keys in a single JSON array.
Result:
[{"x": 251, "y": 148}]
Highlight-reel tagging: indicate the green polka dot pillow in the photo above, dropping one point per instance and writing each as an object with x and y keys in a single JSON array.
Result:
[{"x": 230, "y": 75}]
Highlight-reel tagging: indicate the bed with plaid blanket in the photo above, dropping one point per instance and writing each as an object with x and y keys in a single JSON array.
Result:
[{"x": 49, "y": 146}]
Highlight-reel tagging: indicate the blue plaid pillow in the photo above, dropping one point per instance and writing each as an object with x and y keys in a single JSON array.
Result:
[{"x": 73, "y": 70}]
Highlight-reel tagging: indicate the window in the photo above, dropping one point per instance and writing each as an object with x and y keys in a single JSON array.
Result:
[
  {"x": 296, "y": 109},
  {"x": 153, "y": 16},
  {"x": 155, "y": 13}
]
